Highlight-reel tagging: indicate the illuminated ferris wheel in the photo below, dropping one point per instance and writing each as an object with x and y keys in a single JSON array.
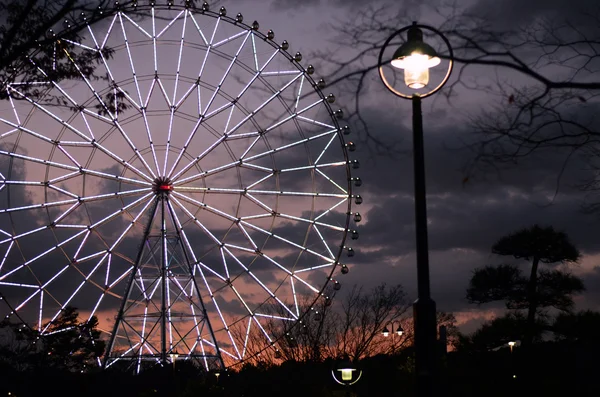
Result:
[{"x": 190, "y": 196}]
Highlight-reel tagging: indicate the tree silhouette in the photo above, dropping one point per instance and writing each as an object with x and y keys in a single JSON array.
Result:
[
  {"x": 496, "y": 333},
  {"x": 581, "y": 326},
  {"x": 543, "y": 288},
  {"x": 27, "y": 32},
  {"x": 67, "y": 344}
]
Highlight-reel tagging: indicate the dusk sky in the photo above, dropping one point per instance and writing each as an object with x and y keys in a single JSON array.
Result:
[
  {"x": 464, "y": 219},
  {"x": 466, "y": 215}
]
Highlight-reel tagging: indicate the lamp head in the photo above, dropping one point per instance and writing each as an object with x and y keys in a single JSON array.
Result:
[
  {"x": 346, "y": 373},
  {"x": 385, "y": 332},
  {"x": 415, "y": 57},
  {"x": 399, "y": 331}
]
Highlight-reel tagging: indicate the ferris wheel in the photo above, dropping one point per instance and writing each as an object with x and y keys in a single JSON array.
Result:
[{"x": 193, "y": 193}]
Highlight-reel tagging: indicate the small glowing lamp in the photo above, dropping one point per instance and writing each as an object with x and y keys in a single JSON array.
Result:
[
  {"x": 415, "y": 57},
  {"x": 385, "y": 332},
  {"x": 399, "y": 331},
  {"x": 512, "y": 344},
  {"x": 346, "y": 373}
]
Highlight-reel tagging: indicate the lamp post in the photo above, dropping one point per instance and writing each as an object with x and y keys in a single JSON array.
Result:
[
  {"x": 399, "y": 331},
  {"x": 346, "y": 373},
  {"x": 415, "y": 58}
]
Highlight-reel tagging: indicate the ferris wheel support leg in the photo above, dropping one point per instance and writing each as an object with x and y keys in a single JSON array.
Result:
[
  {"x": 163, "y": 283},
  {"x": 193, "y": 278},
  {"x": 127, "y": 291}
]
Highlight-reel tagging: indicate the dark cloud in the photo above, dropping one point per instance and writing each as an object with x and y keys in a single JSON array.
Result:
[{"x": 510, "y": 13}]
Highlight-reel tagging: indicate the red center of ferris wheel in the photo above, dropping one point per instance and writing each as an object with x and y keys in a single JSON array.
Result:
[{"x": 162, "y": 185}]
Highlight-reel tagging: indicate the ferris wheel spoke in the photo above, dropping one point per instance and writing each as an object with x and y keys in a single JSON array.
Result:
[
  {"x": 111, "y": 114},
  {"x": 290, "y": 145},
  {"x": 76, "y": 200},
  {"x": 207, "y": 207},
  {"x": 227, "y": 71},
  {"x": 231, "y": 131},
  {"x": 315, "y": 166},
  {"x": 221, "y": 168},
  {"x": 330, "y": 209},
  {"x": 197, "y": 266},
  {"x": 288, "y": 242},
  {"x": 262, "y": 285},
  {"x": 264, "y": 104},
  {"x": 126, "y": 40},
  {"x": 27, "y": 263},
  {"x": 196, "y": 220},
  {"x": 88, "y": 141}
]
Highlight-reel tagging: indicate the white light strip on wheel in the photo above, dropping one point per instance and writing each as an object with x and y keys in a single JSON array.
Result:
[
  {"x": 18, "y": 236},
  {"x": 251, "y": 274},
  {"x": 297, "y": 115},
  {"x": 114, "y": 214},
  {"x": 244, "y": 135},
  {"x": 332, "y": 208},
  {"x": 288, "y": 146},
  {"x": 114, "y": 119},
  {"x": 14, "y": 108},
  {"x": 299, "y": 94},
  {"x": 170, "y": 23},
  {"x": 6, "y": 254},
  {"x": 233, "y": 62},
  {"x": 331, "y": 181},
  {"x": 274, "y": 317},
  {"x": 325, "y": 148},
  {"x": 265, "y": 103},
  {"x": 195, "y": 219},
  {"x": 295, "y": 297},
  {"x": 137, "y": 25},
  {"x": 19, "y": 285},
  {"x": 247, "y": 336},
  {"x": 315, "y": 166},
  {"x": 325, "y": 242},
  {"x": 315, "y": 122},
  {"x": 73, "y": 168},
  {"x": 250, "y": 192},
  {"x": 126, "y": 40},
  {"x": 39, "y": 327},
  {"x": 205, "y": 206},
  {"x": 313, "y": 222},
  {"x": 314, "y": 267},
  {"x": 76, "y": 200}
]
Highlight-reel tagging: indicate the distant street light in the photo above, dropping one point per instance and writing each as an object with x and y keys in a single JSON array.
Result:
[
  {"x": 174, "y": 355},
  {"x": 511, "y": 344},
  {"x": 399, "y": 331},
  {"x": 415, "y": 58}
]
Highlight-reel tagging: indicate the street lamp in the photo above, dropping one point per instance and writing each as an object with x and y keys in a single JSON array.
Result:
[
  {"x": 386, "y": 331},
  {"x": 174, "y": 355},
  {"x": 415, "y": 58},
  {"x": 346, "y": 373},
  {"x": 399, "y": 331}
]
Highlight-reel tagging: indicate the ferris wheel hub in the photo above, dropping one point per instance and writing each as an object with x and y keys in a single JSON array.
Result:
[{"x": 162, "y": 185}]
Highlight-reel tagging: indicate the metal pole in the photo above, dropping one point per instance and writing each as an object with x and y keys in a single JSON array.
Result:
[
  {"x": 163, "y": 282},
  {"x": 424, "y": 307}
]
